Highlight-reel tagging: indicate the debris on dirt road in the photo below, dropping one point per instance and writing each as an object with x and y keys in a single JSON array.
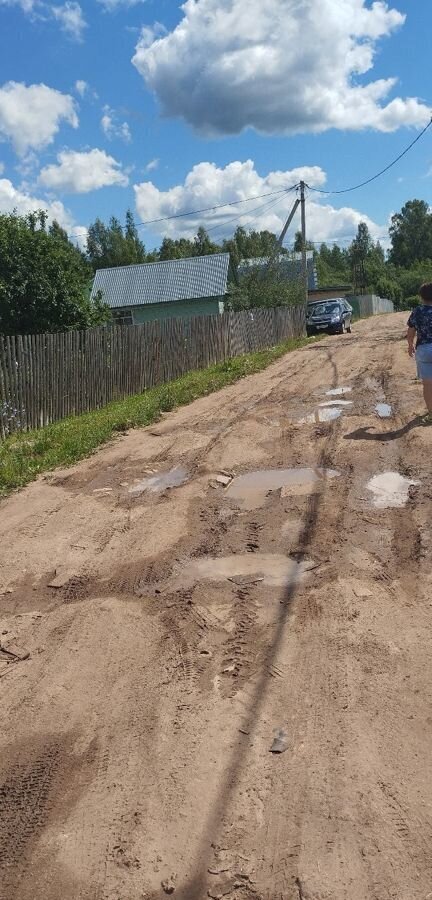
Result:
[
  {"x": 225, "y": 480},
  {"x": 60, "y": 579},
  {"x": 169, "y": 884},
  {"x": 280, "y": 743}
]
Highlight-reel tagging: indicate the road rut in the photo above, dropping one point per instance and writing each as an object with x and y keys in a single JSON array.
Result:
[{"x": 172, "y": 632}]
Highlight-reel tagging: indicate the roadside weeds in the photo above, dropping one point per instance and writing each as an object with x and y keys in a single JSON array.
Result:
[{"x": 24, "y": 456}]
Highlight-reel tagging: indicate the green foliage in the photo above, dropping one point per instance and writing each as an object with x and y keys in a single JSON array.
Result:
[
  {"x": 265, "y": 288},
  {"x": 44, "y": 278},
  {"x": 333, "y": 266},
  {"x": 110, "y": 245},
  {"x": 298, "y": 243},
  {"x": 250, "y": 245},
  {"x": 179, "y": 249},
  {"x": 409, "y": 302},
  {"x": 411, "y": 279},
  {"x": 24, "y": 456},
  {"x": 411, "y": 234}
]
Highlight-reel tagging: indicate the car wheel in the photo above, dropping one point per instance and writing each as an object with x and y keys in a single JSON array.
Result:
[{"x": 349, "y": 329}]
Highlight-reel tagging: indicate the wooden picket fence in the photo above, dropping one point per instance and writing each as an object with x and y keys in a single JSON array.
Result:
[{"x": 46, "y": 377}]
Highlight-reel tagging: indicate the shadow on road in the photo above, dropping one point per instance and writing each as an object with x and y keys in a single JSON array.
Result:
[
  {"x": 365, "y": 434},
  {"x": 195, "y": 888}
]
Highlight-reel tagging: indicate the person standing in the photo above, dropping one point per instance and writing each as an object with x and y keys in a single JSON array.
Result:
[{"x": 420, "y": 332}]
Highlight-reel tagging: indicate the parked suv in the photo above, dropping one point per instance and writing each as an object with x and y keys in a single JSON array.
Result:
[{"x": 332, "y": 316}]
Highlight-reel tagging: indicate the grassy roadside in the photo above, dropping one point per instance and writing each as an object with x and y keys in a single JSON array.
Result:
[{"x": 24, "y": 456}]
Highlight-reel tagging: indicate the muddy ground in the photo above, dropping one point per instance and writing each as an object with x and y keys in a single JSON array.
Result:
[{"x": 174, "y": 633}]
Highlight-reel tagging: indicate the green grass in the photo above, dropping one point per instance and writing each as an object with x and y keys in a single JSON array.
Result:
[{"x": 24, "y": 456}]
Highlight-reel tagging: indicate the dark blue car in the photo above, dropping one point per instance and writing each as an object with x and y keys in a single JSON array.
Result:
[{"x": 332, "y": 316}]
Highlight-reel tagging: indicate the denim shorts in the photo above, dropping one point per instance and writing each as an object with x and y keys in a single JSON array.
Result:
[{"x": 424, "y": 361}]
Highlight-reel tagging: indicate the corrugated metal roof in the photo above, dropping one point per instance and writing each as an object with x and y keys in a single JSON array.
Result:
[{"x": 164, "y": 282}]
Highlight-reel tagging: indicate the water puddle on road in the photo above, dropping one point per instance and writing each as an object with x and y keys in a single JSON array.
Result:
[
  {"x": 383, "y": 410},
  {"x": 330, "y": 403},
  {"x": 390, "y": 490},
  {"x": 321, "y": 415},
  {"x": 338, "y": 392},
  {"x": 250, "y": 491},
  {"x": 160, "y": 482},
  {"x": 272, "y": 569},
  {"x": 325, "y": 412}
]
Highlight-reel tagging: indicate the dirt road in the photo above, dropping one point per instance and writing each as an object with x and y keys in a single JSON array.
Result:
[{"x": 175, "y": 632}]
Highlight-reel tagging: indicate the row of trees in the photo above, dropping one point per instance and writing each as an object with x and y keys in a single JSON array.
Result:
[
  {"x": 112, "y": 245},
  {"x": 365, "y": 266},
  {"x": 45, "y": 280}
]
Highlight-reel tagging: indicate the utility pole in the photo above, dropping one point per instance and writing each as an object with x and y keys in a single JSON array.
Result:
[
  {"x": 288, "y": 222},
  {"x": 304, "y": 267}
]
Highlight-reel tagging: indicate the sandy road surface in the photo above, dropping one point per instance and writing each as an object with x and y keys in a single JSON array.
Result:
[{"x": 135, "y": 739}]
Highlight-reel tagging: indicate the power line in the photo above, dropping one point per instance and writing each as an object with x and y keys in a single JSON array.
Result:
[
  {"x": 264, "y": 206},
  {"x": 198, "y": 212},
  {"x": 208, "y": 209},
  {"x": 378, "y": 175}
]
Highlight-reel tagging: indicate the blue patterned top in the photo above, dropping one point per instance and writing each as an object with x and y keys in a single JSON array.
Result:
[{"x": 421, "y": 320}]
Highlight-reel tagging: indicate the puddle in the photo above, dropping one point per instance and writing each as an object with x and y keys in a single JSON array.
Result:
[
  {"x": 273, "y": 569},
  {"x": 250, "y": 491},
  {"x": 161, "y": 482},
  {"x": 321, "y": 415},
  {"x": 384, "y": 410},
  {"x": 325, "y": 412},
  {"x": 330, "y": 403},
  {"x": 338, "y": 392},
  {"x": 390, "y": 490}
]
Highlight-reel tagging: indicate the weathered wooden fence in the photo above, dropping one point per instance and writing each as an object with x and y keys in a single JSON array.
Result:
[{"x": 46, "y": 377}]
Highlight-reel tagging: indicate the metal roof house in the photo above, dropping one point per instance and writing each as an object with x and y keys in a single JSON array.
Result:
[
  {"x": 289, "y": 267},
  {"x": 179, "y": 288}
]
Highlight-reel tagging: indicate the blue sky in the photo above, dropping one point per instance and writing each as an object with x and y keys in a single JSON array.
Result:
[{"x": 164, "y": 108}]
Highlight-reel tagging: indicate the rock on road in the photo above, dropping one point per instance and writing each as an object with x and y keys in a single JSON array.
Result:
[{"x": 178, "y": 624}]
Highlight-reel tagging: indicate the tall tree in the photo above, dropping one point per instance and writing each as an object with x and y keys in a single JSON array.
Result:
[
  {"x": 109, "y": 246},
  {"x": 203, "y": 246},
  {"x": 411, "y": 234},
  {"x": 44, "y": 279},
  {"x": 298, "y": 243},
  {"x": 358, "y": 254},
  {"x": 250, "y": 244},
  {"x": 182, "y": 248}
]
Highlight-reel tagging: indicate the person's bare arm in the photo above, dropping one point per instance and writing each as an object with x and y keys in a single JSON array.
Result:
[{"x": 411, "y": 333}]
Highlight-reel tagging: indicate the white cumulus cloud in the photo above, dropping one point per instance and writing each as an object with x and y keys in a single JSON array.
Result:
[
  {"x": 12, "y": 198},
  {"x": 80, "y": 172},
  {"x": 71, "y": 19},
  {"x": 30, "y": 117},
  {"x": 286, "y": 66},
  {"x": 114, "y": 129},
  {"x": 206, "y": 185},
  {"x": 18, "y": 200}
]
